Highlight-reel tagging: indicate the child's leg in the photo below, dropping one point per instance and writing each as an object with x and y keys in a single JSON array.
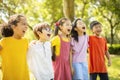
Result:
[
  {"x": 85, "y": 71},
  {"x": 103, "y": 76},
  {"x": 77, "y": 71},
  {"x": 93, "y": 76}
]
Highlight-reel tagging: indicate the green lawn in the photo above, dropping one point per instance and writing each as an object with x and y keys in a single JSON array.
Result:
[{"x": 114, "y": 69}]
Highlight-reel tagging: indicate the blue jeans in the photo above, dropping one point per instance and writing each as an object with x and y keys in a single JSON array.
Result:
[{"x": 80, "y": 71}]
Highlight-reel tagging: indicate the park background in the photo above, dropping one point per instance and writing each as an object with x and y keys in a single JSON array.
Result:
[{"x": 105, "y": 11}]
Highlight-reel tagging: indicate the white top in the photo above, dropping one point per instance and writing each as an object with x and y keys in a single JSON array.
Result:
[{"x": 39, "y": 60}]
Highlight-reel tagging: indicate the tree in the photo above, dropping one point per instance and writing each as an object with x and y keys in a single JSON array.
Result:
[
  {"x": 68, "y": 9},
  {"x": 111, "y": 14}
]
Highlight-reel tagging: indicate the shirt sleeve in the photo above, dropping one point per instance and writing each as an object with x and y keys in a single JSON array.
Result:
[
  {"x": 53, "y": 41},
  {"x": 56, "y": 42},
  {"x": 88, "y": 40},
  {"x": 30, "y": 55}
]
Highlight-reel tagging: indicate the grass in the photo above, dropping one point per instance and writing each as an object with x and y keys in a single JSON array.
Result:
[{"x": 114, "y": 69}]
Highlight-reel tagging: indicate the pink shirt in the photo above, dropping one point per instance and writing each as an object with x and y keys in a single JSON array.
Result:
[{"x": 80, "y": 49}]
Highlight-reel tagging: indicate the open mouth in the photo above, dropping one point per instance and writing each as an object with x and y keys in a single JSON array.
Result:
[
  {"x": 24, "y": 31},
  {"x": 98, "y": 31},
  {"x": 48, "y": 35},
  {"x": 68, "y": 30},
  {"x": 83, "y": 27}
]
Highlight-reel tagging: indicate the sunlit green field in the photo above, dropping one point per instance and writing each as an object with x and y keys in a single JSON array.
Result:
[{"x": 114, "y": 69}]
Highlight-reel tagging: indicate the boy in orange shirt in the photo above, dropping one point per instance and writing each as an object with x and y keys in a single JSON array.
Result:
[{"x": 97, "y": 52}]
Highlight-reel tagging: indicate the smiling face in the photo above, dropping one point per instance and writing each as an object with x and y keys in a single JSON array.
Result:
[
  {"x": 97, "y": 29},
  {"x": 45, "y": 34},
  {"x": 80, "y": 26},
  {"x": 21, "y": 27},
  {"x": 42, "y": 31},
  {"x": 66, "y": 27}
]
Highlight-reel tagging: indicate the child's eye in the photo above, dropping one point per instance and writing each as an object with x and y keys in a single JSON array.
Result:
[
  {"x": 68, "y": 24},
  {"x": 24, "y": 24},
  {"x": 48, "y": 29}
]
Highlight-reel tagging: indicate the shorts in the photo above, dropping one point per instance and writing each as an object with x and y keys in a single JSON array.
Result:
[{"x": 80, "y": 71}]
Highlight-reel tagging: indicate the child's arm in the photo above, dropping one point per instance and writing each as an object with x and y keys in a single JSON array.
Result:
[
  {"x": 108, "y": 57},
  {"x": 72, "y": 70}
]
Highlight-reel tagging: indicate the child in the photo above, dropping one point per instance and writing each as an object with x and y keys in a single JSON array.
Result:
[
  {"x": 98, "y": 50},
  {"x": 61, "y": 44},
  {"x": 14, "y": 49},
  {"x": 79, "y": 44},
  {"x": 39, "y": 53}
]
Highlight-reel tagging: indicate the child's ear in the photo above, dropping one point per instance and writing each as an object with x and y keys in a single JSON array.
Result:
[
  {"x": 38, "y": 32},
  {"x": 60, "y": 27},
  {"x": 13, "y": 26}
]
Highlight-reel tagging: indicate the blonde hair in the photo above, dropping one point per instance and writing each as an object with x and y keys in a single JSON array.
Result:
[{"x": 39, "y": 27}]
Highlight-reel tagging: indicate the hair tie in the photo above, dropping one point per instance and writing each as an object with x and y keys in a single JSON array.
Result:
[{"x": 57, "y": 24}]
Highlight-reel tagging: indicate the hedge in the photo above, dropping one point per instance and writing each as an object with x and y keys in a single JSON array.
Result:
[{"x": 115, "y": 49}]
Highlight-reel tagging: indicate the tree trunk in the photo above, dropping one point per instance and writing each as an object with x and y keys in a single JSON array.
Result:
[
  {"x": 83, "y": 10},
  {"x": 68, "y": 9},
  {"x": 1, "y": 1},
  {"x": 112, "y": 36}
]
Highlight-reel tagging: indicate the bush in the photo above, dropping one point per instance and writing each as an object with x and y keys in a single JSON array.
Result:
[{"x": 115, "y": 49}]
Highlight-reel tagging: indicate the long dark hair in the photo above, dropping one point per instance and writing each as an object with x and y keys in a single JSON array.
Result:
[
  {"x": 74, "y": 33},
  {"x": 57, "y": 28}
]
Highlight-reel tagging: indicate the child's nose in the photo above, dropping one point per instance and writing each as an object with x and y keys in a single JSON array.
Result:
[{"x": 26, "y": 27}]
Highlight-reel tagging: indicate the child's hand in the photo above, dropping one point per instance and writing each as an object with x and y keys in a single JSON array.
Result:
[
  {"x": 72, "y": 71},
  {"x": 109, "y": 62},
  {"x": 33, "y": 42}
]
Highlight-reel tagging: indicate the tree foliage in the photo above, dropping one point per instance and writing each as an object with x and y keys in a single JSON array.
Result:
[{"x": 36, "y": 11}]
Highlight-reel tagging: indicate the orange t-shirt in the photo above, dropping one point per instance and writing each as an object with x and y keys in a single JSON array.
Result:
[{"x": 97, "y": 49}]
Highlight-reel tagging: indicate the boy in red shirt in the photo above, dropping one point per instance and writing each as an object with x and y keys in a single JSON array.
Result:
[{"x": 97, "y": 52}]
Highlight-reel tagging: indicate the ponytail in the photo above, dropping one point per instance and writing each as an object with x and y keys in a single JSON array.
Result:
[
  {"x": 53, "y": 53},
  {"x": 6, "y": 30},
  {"x": 56, "y": 28},
  {"x": 55, "y": 33}
]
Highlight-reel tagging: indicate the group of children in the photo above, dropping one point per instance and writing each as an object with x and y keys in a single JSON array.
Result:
[{"x": 63, "y": 57}]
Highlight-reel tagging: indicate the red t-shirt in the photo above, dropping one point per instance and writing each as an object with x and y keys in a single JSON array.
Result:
[{"x": 97, "y": 49}]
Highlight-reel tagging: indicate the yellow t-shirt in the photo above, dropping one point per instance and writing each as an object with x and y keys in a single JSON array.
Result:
[
  {"x": 55, "y": 41},
  {"x": 14, "y": 64}
]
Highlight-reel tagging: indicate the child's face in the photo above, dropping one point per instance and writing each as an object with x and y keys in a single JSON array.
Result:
[
  {"x": 45, "y": 34},
  {"x": 66, "y": 27},
  {"x": 80, "y": 26},
  {"x": 97, "y": 29},
  {"x": 21, "y": 28}
]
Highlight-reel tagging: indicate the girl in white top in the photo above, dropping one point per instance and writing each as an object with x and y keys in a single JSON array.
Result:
[{"x": 39, "y": 53}]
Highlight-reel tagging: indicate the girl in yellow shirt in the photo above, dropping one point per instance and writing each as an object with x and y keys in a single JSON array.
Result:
[
  {"x": 61, "y": 50},
  {"x": 14, "y": 49}
]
